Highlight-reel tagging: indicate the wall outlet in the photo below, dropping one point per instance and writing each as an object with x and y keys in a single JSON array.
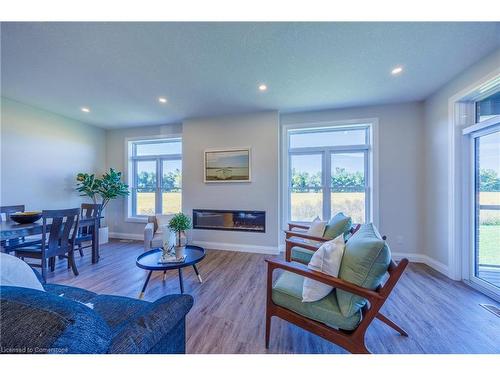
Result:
[{"x": 399, "y": 240}]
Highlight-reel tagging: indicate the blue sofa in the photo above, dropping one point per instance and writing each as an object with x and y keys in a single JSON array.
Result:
[{"x": 65, "y": 319}]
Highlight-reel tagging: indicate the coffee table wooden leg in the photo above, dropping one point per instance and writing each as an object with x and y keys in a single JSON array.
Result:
[
  {"x": 164, "y": 275},
  {"x": 197, "y": 273},
  {"x": 141, "y": 295},
  {"x": 181, "y": 283}
]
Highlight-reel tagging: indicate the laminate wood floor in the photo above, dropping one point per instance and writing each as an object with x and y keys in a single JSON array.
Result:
[{"x": 440, "y": 315}]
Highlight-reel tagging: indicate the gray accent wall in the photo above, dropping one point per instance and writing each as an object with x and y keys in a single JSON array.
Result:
[
  {"x": 41, "y": 153},
  {"x": 260, "y": 132}
]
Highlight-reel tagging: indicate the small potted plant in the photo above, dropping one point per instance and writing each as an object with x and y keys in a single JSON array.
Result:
[
  {"x": 179, "y": 224},
  {"x": 108, "y": 187}
]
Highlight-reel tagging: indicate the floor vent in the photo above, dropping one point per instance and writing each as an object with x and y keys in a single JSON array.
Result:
[
  {"x": 126, "y": 241},
  {"x": 492, "y": 309}
]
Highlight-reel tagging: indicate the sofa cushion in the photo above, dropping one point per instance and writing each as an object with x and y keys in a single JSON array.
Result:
[
  {"x": 287, "y": 292},
  {"x": 326, "y": 260},
  {"x": 317, "y": 228},
  {"x": 16, "y": 272},
  {"x": 146, "y": 332},
  {"x": 299, "y": 254},
  {"x": 365, "y": 262},
  {"x": 71, "y": 292},
  {"x": 162, "y": 221},
  {"x": 337, "y": 225},
  {"x": 47, "y": 323},
  {"x": 157, "y": 240}
]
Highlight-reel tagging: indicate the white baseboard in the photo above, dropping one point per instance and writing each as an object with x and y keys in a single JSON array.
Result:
[
  {"x": 238, "y": 247},
  {"x": 126, "y": 236},
  {"x": 422, "y": 258}
]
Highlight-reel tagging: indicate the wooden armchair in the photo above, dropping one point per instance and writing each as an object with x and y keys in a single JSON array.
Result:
[
  {"x": 351, "y": 340},
  {"x": 303, "y": 240}
]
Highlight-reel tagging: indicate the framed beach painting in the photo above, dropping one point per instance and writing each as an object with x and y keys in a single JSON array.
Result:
[{"x": 228, "y": 165}]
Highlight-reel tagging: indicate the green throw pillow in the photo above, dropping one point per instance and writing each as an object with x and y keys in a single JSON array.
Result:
[
  {"x": 365, "y": 262},
  {"x": 337, "y": 225}
]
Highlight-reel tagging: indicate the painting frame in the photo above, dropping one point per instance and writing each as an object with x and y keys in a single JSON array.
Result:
[{"x": 223, "y": 171}]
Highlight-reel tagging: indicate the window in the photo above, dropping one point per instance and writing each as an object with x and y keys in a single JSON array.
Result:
[
  {"x": 155, "y": 175},
  {"x": 328, "y": 172},
  {"x": 488, "y": 108}
]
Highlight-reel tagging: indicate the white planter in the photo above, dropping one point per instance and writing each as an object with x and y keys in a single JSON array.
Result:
[{"x": 103, "y": 235}]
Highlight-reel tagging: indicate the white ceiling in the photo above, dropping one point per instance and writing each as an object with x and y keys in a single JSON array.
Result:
[{"x": 118, "y": 70}]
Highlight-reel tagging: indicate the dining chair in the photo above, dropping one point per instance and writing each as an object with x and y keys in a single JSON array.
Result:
[
  {"x": 86, "y": 232},
  {"x": 8, "y": 210},
  {"x": 12, "y": 244},
  {"x": 58, "y": 239}
]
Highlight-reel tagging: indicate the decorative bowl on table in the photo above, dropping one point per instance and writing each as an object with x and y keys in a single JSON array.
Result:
[{"x": 26, "y": 217}]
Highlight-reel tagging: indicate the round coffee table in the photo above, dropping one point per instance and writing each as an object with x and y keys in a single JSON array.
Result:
[{"x": 149, "y": 261}]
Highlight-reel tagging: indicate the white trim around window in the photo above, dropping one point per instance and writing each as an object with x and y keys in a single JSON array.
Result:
[
  {"x": 130, "y": 171},
  {"x": 370, "y": 149}
]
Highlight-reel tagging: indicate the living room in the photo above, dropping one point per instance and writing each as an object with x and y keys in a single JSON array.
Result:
[{"x": 250, "y": 187}]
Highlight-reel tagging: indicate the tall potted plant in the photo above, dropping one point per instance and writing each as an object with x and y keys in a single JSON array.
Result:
[
  {"x": 102, "y": 191},
  {"x": 179, "y": 224}
]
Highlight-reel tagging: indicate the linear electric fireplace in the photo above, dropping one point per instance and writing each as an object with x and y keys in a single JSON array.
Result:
[{"x": 245, "y": 221}]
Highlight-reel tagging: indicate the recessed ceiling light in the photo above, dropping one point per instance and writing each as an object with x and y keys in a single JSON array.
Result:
[
  {"x": 85, "y": 109},
  {"x": 263, "y": 87},
  {"x": 162, "y": 99},
  {"x": 397, "y": 70}
]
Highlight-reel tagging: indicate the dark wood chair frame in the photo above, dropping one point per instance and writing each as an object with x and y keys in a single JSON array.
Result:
[
  {"x": 352, "y": 341},
  {"x": 86, "y": 232},
  {"x": 58, "y": 241},
  {"x": 295, "y": 238}
]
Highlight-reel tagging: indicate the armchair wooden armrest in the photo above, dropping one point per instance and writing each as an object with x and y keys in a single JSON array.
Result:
[
  {"x": 291, "y": 233},
  {"x": 335, "y": 282},
  {"x": 309, "y": 246},
  {"x": 300, "y": 226}
]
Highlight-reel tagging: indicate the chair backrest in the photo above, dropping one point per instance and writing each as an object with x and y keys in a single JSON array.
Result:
[
  {"x": 89, "y": 211},
  {"x": 7, "y": 210},
  {"x": 152, "y": 219},
  {"x": 62, "y": 232}
]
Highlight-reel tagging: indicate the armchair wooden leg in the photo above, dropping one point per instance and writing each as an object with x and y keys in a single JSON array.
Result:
[
  {"x": 391, "y": 324},
  {"x": 268, "y": 328},
  {"x": 80, "y": 249}
]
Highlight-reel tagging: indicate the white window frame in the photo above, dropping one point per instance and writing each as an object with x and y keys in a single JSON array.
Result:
[
  {"x": 462, "y": 121},
  {"x": 371, "y": 163},
  {"x": 131, "y": 175}
]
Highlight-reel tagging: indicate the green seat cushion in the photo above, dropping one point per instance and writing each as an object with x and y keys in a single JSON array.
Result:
[
  {"x": 337, "y": 225},
  {"x": 299, "y": 254},
  {"x": 365, "y": 262},
  {"x": 287, "y": 293}
]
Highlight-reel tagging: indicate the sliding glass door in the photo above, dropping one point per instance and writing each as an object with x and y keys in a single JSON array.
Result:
[{"x": 485, "y": 146}]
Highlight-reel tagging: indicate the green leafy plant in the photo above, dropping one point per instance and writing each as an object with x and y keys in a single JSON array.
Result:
[
  {"x": 108, "y": 187},
  {"x": 179, "y": 223}
]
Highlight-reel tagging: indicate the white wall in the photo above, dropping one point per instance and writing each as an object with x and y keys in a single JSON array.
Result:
[
  {"x": 436, "y": 158},
  {"x": 116, "y": 157},
  {"x": 41, "y": 153},
  {"x": 400, "y": 167},
  {"x": 260, "y": 131}
]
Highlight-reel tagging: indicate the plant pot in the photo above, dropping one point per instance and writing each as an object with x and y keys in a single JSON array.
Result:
[
  {"x": 179, "y": 251},
  {"x": 103, "y": 235}
]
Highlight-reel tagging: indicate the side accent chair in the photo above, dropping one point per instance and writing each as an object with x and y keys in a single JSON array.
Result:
[
  {"x": 58, "y": 238},
  {"x": 300, "y": 246},
  {"x": 345, "y": 314}
]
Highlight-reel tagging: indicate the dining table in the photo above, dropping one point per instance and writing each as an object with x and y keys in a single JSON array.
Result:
[{"x": 10, "y": 230}]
